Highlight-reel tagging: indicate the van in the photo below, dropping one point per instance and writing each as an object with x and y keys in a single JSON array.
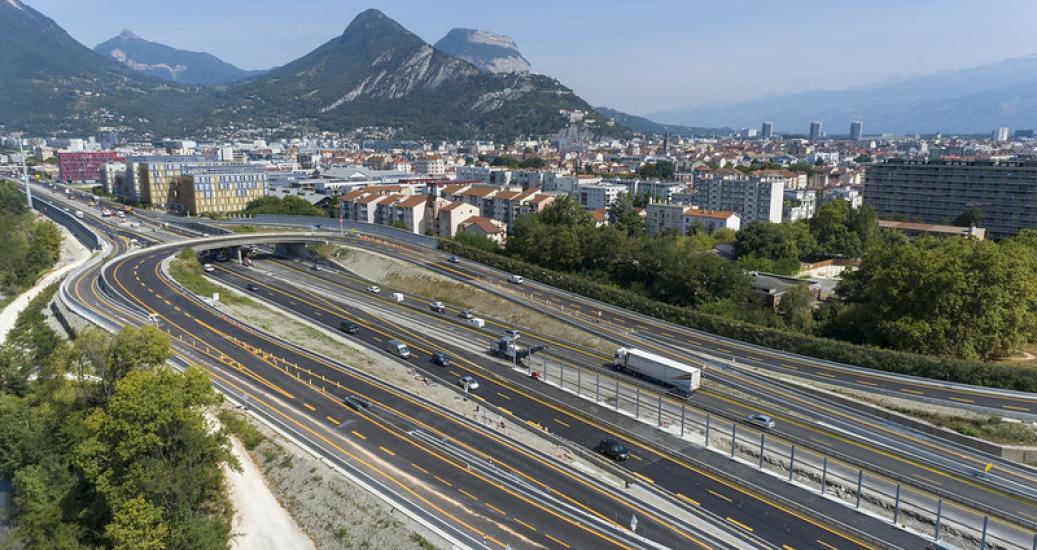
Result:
[
  {"x": 516, "y": 279},
  {"x": 399, "y": 348},
  {"x": 477, "y": 322},
  {"x": 79, "y": 214},
  {"x": 397, "y": 296}
]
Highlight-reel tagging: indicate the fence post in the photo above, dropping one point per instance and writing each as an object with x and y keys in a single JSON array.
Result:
[
  {"x": 824, "y": 474},
  {"x": 617, "y": 394},
  {"x": 597, "y": 387},
  {"x": 792, "y": 461},
  {"x": 660, "y": 410},
  {"x": 682, "y": 418},
  {"x": 896, "y": 507},
  {"x": 1035, "y": 541},
  {"x": 707, "y": 430},
  {"x": 860, "y": 481},
  {"x": 939, "y": 516},
  {"x": 734, "y": 433},
  {"x": 763, "y": 438},
  {"x": 637, "y": 402},
  {"x": 983, "y": 536}
]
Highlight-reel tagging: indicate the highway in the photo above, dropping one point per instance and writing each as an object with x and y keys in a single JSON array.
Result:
[
  {"x": 482, "y": 482},
  {"x": 698, "y": 486}
]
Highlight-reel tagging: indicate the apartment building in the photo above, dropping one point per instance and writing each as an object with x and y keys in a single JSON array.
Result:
[
  {"x": 498, "y": 177},
  {"x": 190, "y": 184},
  {"x": 433, "y": 166},
  {"x": 596, "y": 196},
  {"x": 84, "y": 166},
  {"x": 662, "y": 217},
  {"x": 749, "y": 197},
  {"x": 452, "y": 214},
  {"x": 938, "y": 191},
  {"x": 709, "y": 220},
  {"x": 798, "y": 204}
]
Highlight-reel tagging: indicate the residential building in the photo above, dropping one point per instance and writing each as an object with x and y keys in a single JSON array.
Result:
[
  {"x": 938, "y": 191},
  {"x": 663, "y": 217},
  {"x": 815, "y": 130},
  {"x": 220, "y": 189},
  {"x": 915, "y": 230},
  {"x": 767, "y": 131},
  {"x": 856, "y": 130},
  {"x": 433, "y": 166},
  {"x": 84, "y": 166},
  {"x": 509, "y": 205},
  {"x": 599, "y": 195},
  {"x": 1000, "y": 135},
  {"x": 709, "y": 220},
  {"x": 112, "y": 174},
  {"x": 499, "y": 177},
  {"x": 415, "y": 213},
  {"x": 798, "y": 204},
  {"x": 487, "y": 227},
  {"x": 849, "y": 193},
  {"x": 452, "y": 214},
  {"x": 749, "y": 197}
]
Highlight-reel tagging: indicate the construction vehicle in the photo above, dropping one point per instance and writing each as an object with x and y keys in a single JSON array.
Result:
[{"x": 506, "y": 346}]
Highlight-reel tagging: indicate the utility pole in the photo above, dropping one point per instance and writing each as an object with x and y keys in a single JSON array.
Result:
[{"x": 25, "y": 175}]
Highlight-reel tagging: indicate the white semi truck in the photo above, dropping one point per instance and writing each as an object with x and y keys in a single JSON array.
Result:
[{"x": 666, "y": 371}]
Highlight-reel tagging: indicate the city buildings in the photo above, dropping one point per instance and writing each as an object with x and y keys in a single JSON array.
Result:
[
  {"x": 767, "y": 130},
  {"x": 190, "y": 184},
  {"x": 798, "y": 204},
  {"x": 856, "y": 130},
  {"x": 751, "y": 198},
  {"x": 595, "y": 196},
  {"x": 815, "y": 130},
  {"x": 84, "y": 166},
  {"x": 938, "y": 191},
  {"x": 1000, "y": 135},
  {"x": 683, "y": 220}
]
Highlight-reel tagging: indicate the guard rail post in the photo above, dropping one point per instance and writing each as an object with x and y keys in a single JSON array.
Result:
[
  {"x": 983, "y": 535},
  {"x": 939, "y": 516},
  {"x": 707, "y": 429},
  {"x": 734, "y": 434},
  {"x": 860, "y": 482},
  {"x": 763, "y": 439},
  {"x": 683, "y": 412},
  {"x": 824, "y": 474},
  {"x": 896, "y": 507},
  {"x": 792, "y": 461},
  {"x": 597, "y": 387},
  {"x": 637, "y": 403},
  {"x": 660, "y": 410}
]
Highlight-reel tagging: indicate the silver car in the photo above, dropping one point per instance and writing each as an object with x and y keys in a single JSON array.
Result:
[
  {"x": 468, "y": 380},
  {"x": 760, "y": 421}
]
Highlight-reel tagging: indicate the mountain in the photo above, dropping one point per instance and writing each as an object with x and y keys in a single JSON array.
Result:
[
  {"x": 168, "y": 63},
  {"x": 378, "y": 73},
  {"x": 492, "y": 53},
  {"x": 650, "y": 127},
  {"x": 49, "y": 82},
  {"x": 375, "y": 74},
  {"x": 976, "y": 99}
]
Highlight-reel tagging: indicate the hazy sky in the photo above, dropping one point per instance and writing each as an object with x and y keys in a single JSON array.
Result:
[{"x": 636, "y": 55}]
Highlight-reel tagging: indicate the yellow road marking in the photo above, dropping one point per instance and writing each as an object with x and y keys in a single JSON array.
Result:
[
  {"x": 961, "y": 399},
  {"x": 311, "y": 407},
  {"x": 524, "y": 524},
  {"x": 495, "y": 509},
  {"x": 740, "y": 524},
  {"x": 419, "y": 468},
  {"x": 909, "y": 390},
  {"x": 332, "y": 420},
  {"x": 925, "y": 479},
  {"x": 441, "y": 480},
  {"x": 718, "y": 495},
  {"x": 867, "y": 383},
  {"x": 644, "y": 478},
  {"x": 788, "y": 366},
  {"x": 825, "y": 374},
  {"x": 557, "y": 541},
  {"x": 820, "y": 442},
  {"x": 360, "y": 435},
  {"x": 503, "y": 410},
  {"x": 560, "y": 422},
  {"x": 504, "y": 396},
  {"x": 387, "y": 451},
  {"x": 469, "y": 495},
  {"x": 689, "y": 500},
  {"x": 786, "y": 547},
  {"x": 826, "y": 545},
  {"x": 1014, "y": 408}
]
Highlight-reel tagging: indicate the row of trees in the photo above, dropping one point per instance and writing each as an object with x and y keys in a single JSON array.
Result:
[
  {"x": 106, "y": 447},
  {"x": 292, "y": 206},
  {"x": 28, "y": 246}
]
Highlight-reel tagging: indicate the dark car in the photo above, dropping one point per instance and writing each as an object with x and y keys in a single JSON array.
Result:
[
  {"x": 613, "y": 449},
  {"x": 356, "y": 403},
  {"x": 348, "y": 327},
  {"x": 440, "y": 358},
  {"x": 253, "y": 287}
]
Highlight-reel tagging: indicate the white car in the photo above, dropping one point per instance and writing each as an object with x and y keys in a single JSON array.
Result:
[
  {"x": 468, "y": 380},
  {"x": 375, "y": 289},
  {"x": 516, "y": 279},
  {"x": 760, "y": 421},
  {"x": 208, "y": 268}
]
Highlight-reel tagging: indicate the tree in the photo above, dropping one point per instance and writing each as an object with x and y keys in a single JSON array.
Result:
[
  {"x": 564, "y": 210},
  {"x": 774, "y": 241},
  {"x": 133, "y": 348},
  {"x": 659, "y": 169},
  {"x": 970, "y": 217},
  {"x": 623, "y": 215},
  {"x": 138, "y": 525},
  {"x": 796, "y": 308},
  {"x": 292, "y": 206},
  {"x": 475, "y": 240}
]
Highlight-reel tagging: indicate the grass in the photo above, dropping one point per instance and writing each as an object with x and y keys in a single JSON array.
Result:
[
  {"x": 187, "y": 271},
  {"x": 422, "y": 542},
  {"x": 235, "y": 423},
  {"x": 989, "y": 428}
]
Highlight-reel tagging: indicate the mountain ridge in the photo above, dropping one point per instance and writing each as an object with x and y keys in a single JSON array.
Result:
[
  {"x": 169, "y": 63},
  {"x": 490, "y": 52}
]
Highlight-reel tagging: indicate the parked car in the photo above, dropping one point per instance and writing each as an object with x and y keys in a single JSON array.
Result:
[
  {"x": 375, "y": 289},
  {"x": 613, "y": 449},
  {"x": 454, "y": 260},
  {"x": 440, "y": 358},
  {"x": 348, "y": 327},
  {"x": 356, "y": 402},
  {"x": 516, "y": 279},
  {"x": 760, "y": 421},
  {"x": 438, "y": 307},
  {"x": 468, "y": 380},
  {"x": 208, "y": 268},
  {"x": 466, "y": 314},
  {"x": 253, "y": 287}
]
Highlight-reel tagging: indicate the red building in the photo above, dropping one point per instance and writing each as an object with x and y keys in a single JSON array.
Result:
[{"x": 85, "y": 165}]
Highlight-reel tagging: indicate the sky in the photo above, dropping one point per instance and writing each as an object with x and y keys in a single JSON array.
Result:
[{"x": 638, "y": 56}]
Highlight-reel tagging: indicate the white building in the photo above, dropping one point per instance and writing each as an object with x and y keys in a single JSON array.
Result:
[
  {"x": 751, "y": 198},
  {"x": 599, "y": 195},
  {"x": 709, "y": 220},
  {"x": 433, "y": 166},
  {"x": 798, "y": 204}
]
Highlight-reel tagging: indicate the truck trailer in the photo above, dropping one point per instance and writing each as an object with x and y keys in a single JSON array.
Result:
[{"x": 666, "y": 371}]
